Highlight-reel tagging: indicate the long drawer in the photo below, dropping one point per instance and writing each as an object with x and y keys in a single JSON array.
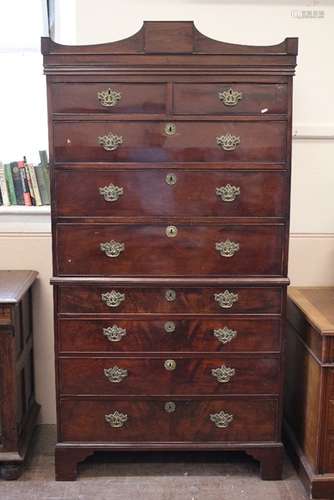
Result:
[
  {"x": 203, "y": 420},
  {"x": 168, "y": 192},
  {"x": 230, "y": 98},
  {"x": 156, "y": 250},
  {"x": 80, "y": 299},
  {"x": 168, "y": 335},
  {"x": 108, "y": 97},
  {"x": 144, "y": 141},
  {"x": 177, "y": 375}
]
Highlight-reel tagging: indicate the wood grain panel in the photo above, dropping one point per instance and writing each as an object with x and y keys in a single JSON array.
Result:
[
  {"x": 90, "y": 335},
  {"x": 149, "y": 251},
  {"x": 147, "y": 193},
  {"x": 147, "y": 141},
  {"x": 253, "y": 420}
]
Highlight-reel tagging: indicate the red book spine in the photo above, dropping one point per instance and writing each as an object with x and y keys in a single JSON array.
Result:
[{"x": 25, "y": 186}]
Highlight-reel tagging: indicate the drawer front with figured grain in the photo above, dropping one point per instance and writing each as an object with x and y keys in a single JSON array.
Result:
[
  {"x": 202, "y": 420},
  {"x": 169, "y": 192},
  {"x": 144, "y": 141},
  {"x": 176, "y": 375},
  {"x": 230, "y": 98},
  {"x": 108, "y": 97},
  {"x": 116, "y": 300},
  {"x": 156, "y": 250},
  {"x": 169, "y": 334}
]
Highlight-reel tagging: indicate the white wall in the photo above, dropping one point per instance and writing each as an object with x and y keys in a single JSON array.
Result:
[{"x": 261, "y": 22}]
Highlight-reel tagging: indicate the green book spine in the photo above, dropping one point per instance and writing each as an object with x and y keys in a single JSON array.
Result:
[
  {"x": 46, "y": 172},
  {"x": 10, "y": 184},
  {"x": 42, "y": 185},
  {"x": 17, "y": 182}
]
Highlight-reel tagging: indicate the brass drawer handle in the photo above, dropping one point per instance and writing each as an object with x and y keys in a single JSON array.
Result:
[
  {"x": 113, "y": 298},
  {"x": 111, "y": 192},
  {"x": 170, "y": 364},
  {"x": 169, "y": 327},
  {"x": 112, "y": 248},
  {"x": 225, "y": 335},
  {"x": 110, "y": 142},
  {"x": 230, "y": 97},
  {"x": 228, "y": 193},
  {"x": 223, "y": 374},
  {"x": 116, "y": 419},
  {"x": 171, "y": 231},
  {"x": 226, "y": 299},
  {"x": 115, "y": 374},
  {"x": 114, "y": 333},
  {"x": 221, "y": 419},
  {"x": 228, "y": 142},
  {"x": 170, "y": 407},
  {"x": 227, "y": 248},
  {"x": 109, "y": 97},
  {"x": 170, "y": 179}
]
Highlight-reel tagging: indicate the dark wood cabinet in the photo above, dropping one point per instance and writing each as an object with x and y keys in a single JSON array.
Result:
[
  {"x": 18, "y": 408},
  {"x": 170, "y": 156},
  {"x": 309, "y": 394}
]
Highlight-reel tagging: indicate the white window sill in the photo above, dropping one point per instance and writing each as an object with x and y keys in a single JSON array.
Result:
[{"x": 22, "y": 219}]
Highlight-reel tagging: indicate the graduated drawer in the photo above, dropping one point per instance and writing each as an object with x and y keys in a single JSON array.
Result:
[
  {"x": 230, "y": 98},
  {"x": 169, "y": 375},
  {"x": 119, "y": 193},
  {"x": 144, "y": 141},
  {"x": 162, "y": 420},
  {"x": 168, "y": 335},
  {"x": 115, "y": 300},
  {"x": 108, "y": 97},
  {"x": 154, "y": 250}
]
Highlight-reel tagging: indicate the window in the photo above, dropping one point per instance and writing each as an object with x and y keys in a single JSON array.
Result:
[{"x": 23, "y": 117}]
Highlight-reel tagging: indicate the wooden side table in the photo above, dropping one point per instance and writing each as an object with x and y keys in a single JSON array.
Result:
[
  {"x": 309, "y": 388},
  {"x": 18, "y": 408}
]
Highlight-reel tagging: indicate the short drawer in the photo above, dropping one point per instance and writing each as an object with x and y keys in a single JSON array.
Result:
[
  {"x": 157, "y": 250},
  {"x": 176, "y": 375},
  {"x": 144, "y": 141},
  {"x": 230, "y": 98},
  {"x": 168, "y": 335},
  {"x": 177, "y": 300},
  {"x": 108, "y": 97},
  {"x": 169, "y": 192},
  {"x": 176, "y": 420}
]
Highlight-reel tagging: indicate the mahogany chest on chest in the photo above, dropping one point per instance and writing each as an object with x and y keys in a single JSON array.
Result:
[{"x": 170, "y": 157}]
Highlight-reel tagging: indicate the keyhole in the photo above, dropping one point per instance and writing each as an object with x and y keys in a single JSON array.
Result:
[{"x": 170, "y": 128}]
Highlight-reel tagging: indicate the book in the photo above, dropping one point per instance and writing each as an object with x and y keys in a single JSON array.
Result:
[
  {"x": 34, "y": 184},
  {"x": 3, "y": 186},
  {"x": 42, "y": 185},
  {"x": 0, "y": 199},
  {"x": 25, "y": 186},
  {"x": 31, "y": 189},
  {"x": 10, "y": 184},
  {"x": 46, "y": 172},
  {"x": 17, "y": 182}
]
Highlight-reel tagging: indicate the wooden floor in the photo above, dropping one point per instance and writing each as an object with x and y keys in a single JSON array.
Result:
[{"x": 149, "y": 477}]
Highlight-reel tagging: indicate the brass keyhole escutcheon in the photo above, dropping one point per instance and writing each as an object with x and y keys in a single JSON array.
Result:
[
  {"x": 169, "y": 326},
  {"x": 170, "y": 295},
  {"x": 171, "y": 231},
  {"x": 171, "y": 179},
  {"x": 170, "y": 129},
  {"x": 170, "y": 406},
  {"x": 170, "y": 364}
]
